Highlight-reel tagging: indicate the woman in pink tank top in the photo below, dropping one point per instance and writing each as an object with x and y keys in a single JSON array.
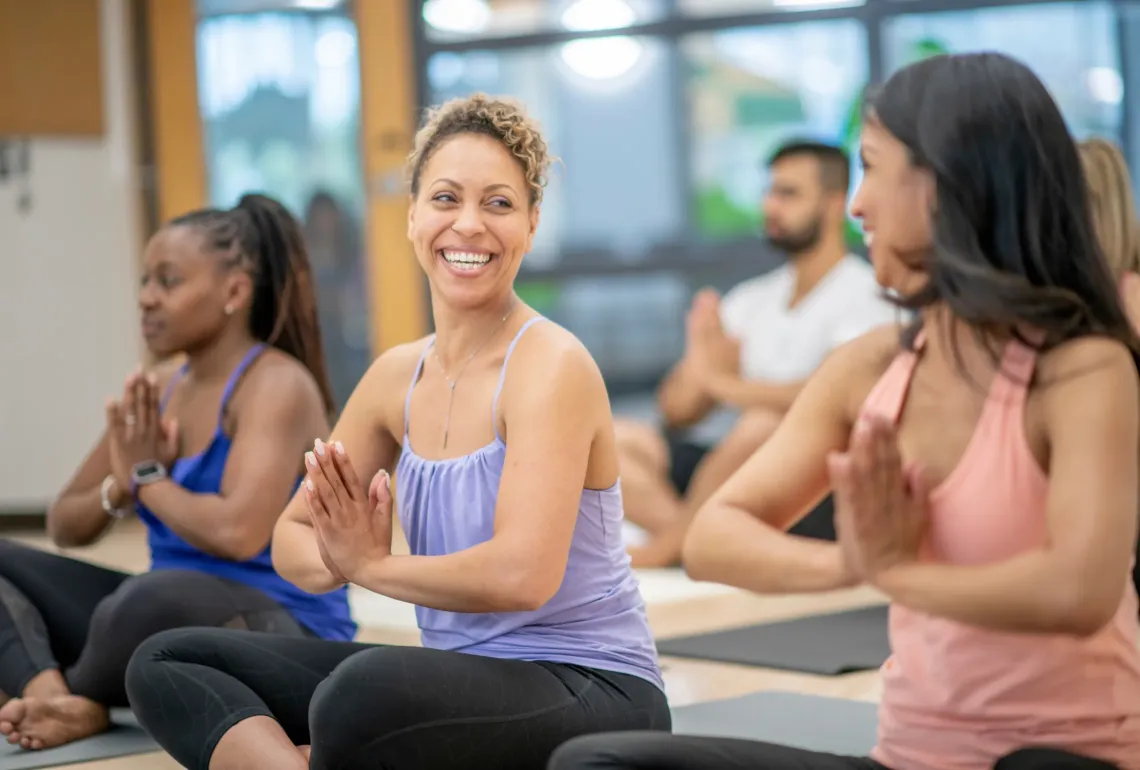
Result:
[{"x": 983, "y": 459}]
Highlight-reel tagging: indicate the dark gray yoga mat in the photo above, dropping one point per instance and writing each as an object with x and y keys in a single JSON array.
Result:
[
  {"x": 123, "y": 739},
  {"x": 833, "y": 644},
  {"x": 843, "y": 727}
]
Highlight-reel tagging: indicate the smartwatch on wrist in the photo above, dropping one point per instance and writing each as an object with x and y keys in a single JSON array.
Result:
[
  {"x": 105, "y": 496},
  {"x": 146, "y": 472}
]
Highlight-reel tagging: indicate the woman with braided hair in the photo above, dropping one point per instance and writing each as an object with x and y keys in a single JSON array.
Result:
[{"x": 206, "y": 454}]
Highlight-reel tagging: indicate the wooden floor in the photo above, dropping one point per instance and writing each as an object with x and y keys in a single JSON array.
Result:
[{"x": 687, "y": 681}]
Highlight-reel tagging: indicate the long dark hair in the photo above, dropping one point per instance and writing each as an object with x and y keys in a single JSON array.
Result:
[
  {"x": 260, "y": 235},
  {"x": 1014, "y": 248}
]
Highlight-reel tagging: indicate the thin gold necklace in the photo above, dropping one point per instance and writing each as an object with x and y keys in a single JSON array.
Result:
[{"x": 452, "y": 382}]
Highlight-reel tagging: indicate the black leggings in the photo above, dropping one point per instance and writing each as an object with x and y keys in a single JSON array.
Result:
[
  {"x": 85, "y": 620},
  {"x": 648, "y": 751},
  {"x": 376, "y": 707}
]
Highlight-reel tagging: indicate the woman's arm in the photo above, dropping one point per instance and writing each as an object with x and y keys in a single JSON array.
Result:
[
  {"x": 739, "y": 537},
  {"x": 76, "y": 518},
  {"x": 1075, "y": 583},
  {"x": 554, "y": 404},
  {"x": 281, "y": 413},
  {"x": 363, "y": 431}
]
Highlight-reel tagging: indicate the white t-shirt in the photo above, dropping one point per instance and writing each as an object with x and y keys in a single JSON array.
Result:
[
  {"x": 784, "y": 345},
  {"x": 778, "y": 344}
]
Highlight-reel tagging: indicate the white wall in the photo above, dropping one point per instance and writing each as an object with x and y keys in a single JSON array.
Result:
[{"x": 68, "y": 324}]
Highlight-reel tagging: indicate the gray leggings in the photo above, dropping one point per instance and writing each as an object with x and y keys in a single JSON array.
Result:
[{"x": 86, "y": 621}]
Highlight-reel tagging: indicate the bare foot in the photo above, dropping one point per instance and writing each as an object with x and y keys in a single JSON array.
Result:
[
  {"x": 11, "y": 714},
  {"x": 43, "y": 723}
]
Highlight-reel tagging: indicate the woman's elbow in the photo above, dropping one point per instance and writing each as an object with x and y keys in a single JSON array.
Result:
[
  {"x": 64, "y": 533},
  {"x": 1085, "y": 613},
  {"x": 244, "y": 543},
  {"x": 527, "y": 590}
]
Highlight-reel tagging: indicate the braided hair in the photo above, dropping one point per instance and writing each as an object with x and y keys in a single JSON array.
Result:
[{"x": 261, "y": 236}]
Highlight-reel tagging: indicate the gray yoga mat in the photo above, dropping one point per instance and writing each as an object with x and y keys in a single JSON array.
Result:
[
  {"x": 833, "y": 644},
  {"x": 123, "y": 739},
  {"x": 843, "y": 727}
]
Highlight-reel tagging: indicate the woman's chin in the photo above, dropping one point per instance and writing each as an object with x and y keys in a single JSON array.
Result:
[{"x": 468, "y": 287}]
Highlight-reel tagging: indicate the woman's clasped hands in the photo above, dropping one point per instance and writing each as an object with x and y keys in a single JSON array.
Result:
[
  {"x": 353, "y": 523},
  {"x": 136, "y": 430},
  {"x": 880, "y": 502}
]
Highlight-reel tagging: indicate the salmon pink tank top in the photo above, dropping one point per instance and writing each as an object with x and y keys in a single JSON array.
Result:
[{"x": 960, "y": 697}]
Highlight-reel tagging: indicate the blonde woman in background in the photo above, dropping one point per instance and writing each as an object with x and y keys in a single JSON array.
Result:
[{"x": 1114, "y": 216}]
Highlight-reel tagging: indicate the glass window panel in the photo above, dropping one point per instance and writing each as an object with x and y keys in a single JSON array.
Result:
[
  {"x": 632, "y": 324},
  {"x": 221, "y": 7},
  {"x": 1081, "y": 67},
  {"x": 724, "y": 7},
  {"x": 754, "y": 88},
  {"x": 451, "y": 20},
  {"x": 279, "y": 97},
  {"x": 608, "y": 112},
  {"x": 1130, "y": 15}
]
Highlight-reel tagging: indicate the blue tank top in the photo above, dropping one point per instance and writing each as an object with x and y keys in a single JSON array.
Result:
[
  {"x": 326, "y": 615},
  {"x": 596, "y": 619}
]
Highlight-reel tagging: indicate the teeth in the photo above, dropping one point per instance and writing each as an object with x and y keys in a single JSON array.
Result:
[{"x": 466, "y": 260}]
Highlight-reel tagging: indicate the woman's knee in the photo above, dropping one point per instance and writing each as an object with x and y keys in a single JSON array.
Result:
[
  {"x": 375, "y": 684},
  {"x": 640, "y": 443},
  {"x": 144, "y": 605},
  {"x": 153, "y": 653},
  {"x": 373, "y": 693}
]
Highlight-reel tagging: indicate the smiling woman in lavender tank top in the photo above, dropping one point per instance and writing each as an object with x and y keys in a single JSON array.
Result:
[{"x": 498, "y": 434}]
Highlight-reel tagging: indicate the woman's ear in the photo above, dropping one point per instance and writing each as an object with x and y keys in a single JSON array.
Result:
[
  {"x": 535, "y": 215},
  {"x": 238, "y": 291}
]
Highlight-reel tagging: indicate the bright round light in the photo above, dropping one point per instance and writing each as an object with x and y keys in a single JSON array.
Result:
[
  {"x": 1105, "y": 85},
  {"x": 589, "y": 15},
  {"x": 601, "y": 58},
  {"x": 334, "y": 48},
  {"x": 467, "y": 17}
]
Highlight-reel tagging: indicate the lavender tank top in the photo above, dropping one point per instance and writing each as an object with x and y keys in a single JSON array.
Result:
[{"x": 596, "y": 619}]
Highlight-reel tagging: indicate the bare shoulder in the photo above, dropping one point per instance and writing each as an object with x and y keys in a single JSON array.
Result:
[
  {"x": 392, "y": 371},
  {"x": 851, "y": 371},
  {"x": 551, "y": 356},
  {"x": 380, "y": 394},
  {"x": 1084, "y": 364},
  {"x": 282, "y": 378}
]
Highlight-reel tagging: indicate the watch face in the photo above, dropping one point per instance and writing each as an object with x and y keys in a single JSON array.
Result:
[{"x": 148, "y": 471}]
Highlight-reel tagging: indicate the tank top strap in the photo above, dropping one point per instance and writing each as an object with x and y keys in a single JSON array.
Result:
[
  {"x": 412, "y": 385},
  {"x": 235, "y": 376},
  {"x": 889, "y": 395},
  {"x": 503, "y": 372},
  {"x": 1014, "y": 375},
  {"x": 166, "y": 394}
]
